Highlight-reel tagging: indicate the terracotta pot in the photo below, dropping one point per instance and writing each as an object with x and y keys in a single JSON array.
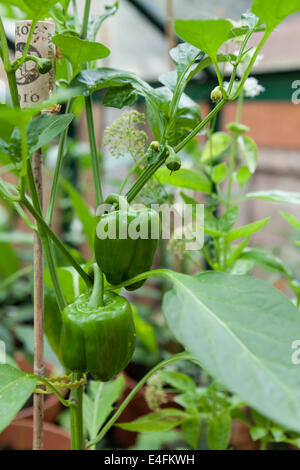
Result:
[
  {"x": 18, "y": 436},
  {"x": 52, "y": 405}
]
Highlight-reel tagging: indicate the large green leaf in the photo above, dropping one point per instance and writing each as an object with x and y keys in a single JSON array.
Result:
[
  {"x": 185, "y": 178},
  {"x": 275, "y": 195},
  {"x": 78, "y": 51},
  {"x": 216, "y": 146},
  {"x": 241, "y": 330},
  {"x": 291, "y": 219},
  {"x": 266, "y": 260},
  {"x": 15, "y": 389},
  {"x": 272, "y": 12},
  {"x": 248, "y": 149},
  {"x": 207, "y": 35},
  {"x": 219, "y": 431},
  {"x": 82, "y": 211},
  {"x": 37, "y": 8},
  {"x": 246, "y": 230},
  {"x": 95, "y": 22},
  {"x": 183, "y": 56},
  {"x": 98, "y": 403},
  {"x": 88, "y": 81},
  {"x": 161, "y": 420},
  {"x": 56, "y": 125}
]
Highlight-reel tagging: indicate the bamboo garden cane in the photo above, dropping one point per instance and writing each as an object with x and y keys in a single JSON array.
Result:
[{"x": 34, "y": 88}]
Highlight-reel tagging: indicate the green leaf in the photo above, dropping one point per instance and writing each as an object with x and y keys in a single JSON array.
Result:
[
  {"x": 248, "y": 149},
  {"x": 185, "y": 178},
  {"x": 88, "y": 81},
  {"x": 266, "y": 260},
  {"x": 241, "y": 330},
  {"x": 291, "y": 219},
  {"x": 37, "y": 8},
  {"x": 246, "y": 230},
  {"x": 219, "y": 173},
  {"x": 15, "y": 389},
  {"x": 206, "y": 35},
  {"x": 79, "y": 51},
  {"x": 272, "y": 12},
  {"x": 82, "y": 211},
  {"x": 161, "y": 420},
  {"x": 16, "y": 236},
  {"x": 178, "y": 380},
  {"x": 183, "y": 56},
  {"x": 144, "y": 331},
  {"x": 219, "y": 431},
  {"x": 214, "y": 148},
  {"x": 56, "y": 125},
  {"x": 9, "y": 261},
  {"x": 191, "y": 431},
  {"x": 227, "y": 220},
  {"x": 95, "y": 22},
  {"x": 243, "y": 175},
  {"x": 275, "y": 195},
  {"x": 71, "y": 283},
  {"x": 258, "y": 432},
  {"x": 98, "y": 403}
]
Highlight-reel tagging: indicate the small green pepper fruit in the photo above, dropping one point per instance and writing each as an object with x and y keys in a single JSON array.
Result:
[
  {"x": 173, "y": 162},
  {"x": 126, "y": 241},
  {"x": 43, "y": 66},
  {"x": 98, "y": 334}
]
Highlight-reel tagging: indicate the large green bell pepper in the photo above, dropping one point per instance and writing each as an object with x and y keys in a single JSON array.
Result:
[
  {"x": 98, "y": 335},
  {"x": 119, "y": 254}
]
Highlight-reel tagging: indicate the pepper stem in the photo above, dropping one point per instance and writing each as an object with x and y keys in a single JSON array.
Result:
[{"x": 96, "y": 299}]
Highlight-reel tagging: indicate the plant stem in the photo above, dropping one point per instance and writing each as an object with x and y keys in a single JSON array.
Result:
[
  {"x": 54, "y": 390},
  {"x": 4, "y": 48},
  {"x": 151, "y": 169},
  {"x": 57, "y": 242},
  {"x": 231, "y": 169},
  {"x": 113, "y": 419},
  {"x": 12, "y": 83},
  {"x": 58, "y": 165},
  {"x": 251, "y": 63},
  {"x": 85, "y": 21},
  {"x": 132, "y": 171},
  {"x": 94, "y": 151},
  {"x": 45, "y": 240},
  {"x": 200, "y": 126},
  {"x": 76, "y": 417},
  {"x": 96, "y": 299}
]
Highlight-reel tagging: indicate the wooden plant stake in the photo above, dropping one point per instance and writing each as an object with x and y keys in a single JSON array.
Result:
[{"x": 34, "y": 88}]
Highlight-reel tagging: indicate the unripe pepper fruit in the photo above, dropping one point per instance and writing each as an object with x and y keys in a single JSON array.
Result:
[
  {"x": 98, "y": 334},
  {"x": 119, "y": 255}
]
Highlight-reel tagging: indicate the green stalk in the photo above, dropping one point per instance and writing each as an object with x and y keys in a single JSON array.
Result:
[
  {"x": 45, "y": 241},
  {"x": 151, "y": 169},
  {"x": 231, "y": 169},
  {"x": 58, "y": 165},
  {"x": 113, "y": 419},
  {"x": 85, "y": 22},
  {"x": 132, "y": 171},
  {"x": 94, "y": 151},
  {"x": 12, "y": 83},
  {"x": 57, "y": 241},
  {"x": 96, "y": 299},
  {"x": 251, "y": 63},
  {"x": 76, "y": 416}
]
